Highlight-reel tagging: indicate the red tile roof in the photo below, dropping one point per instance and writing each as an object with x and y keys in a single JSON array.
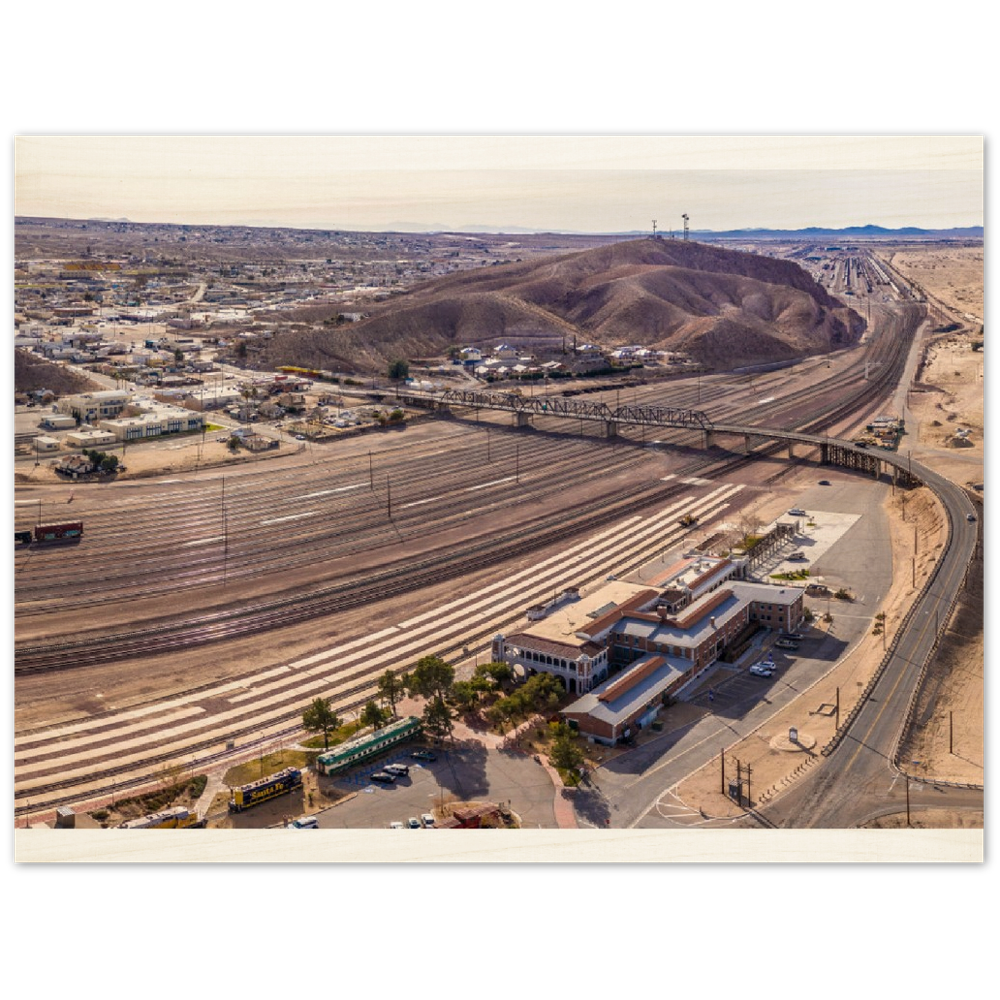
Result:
[
  {"x": 606, "y": 621},
  {"x": 629, "y": 680}
]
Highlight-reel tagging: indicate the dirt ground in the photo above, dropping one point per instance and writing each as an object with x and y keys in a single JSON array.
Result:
[
  {"x": 775, "y": 762},
  {"x": 948, "y": 739},
  {"x": 186, "y": 455},
  {"x": 953, "y": 275},
  {"x": 928, "y": 819},
  {"x": 949, "y": 396}
]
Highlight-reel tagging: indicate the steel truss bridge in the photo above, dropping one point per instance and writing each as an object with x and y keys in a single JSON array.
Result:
[{"x": 832, "y": 451}]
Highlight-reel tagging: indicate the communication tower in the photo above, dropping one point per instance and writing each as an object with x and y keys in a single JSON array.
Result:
[{"x": 685, "y": 218}]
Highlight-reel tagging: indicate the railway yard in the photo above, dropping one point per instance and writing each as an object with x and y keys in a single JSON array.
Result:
[{"x": 201, "y": 612}]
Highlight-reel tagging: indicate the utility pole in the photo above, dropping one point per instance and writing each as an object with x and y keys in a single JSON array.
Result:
[
  {"x": 739, "y": 783},
  {"x": 722, "y": 761},
  {"x": 388, "y": 491},
  {"x": 225, "y": 536},
  {"x": 371, "y": 476},
  {"x": 907, "y": 799},
  {"x": 517, "y": 461},
  {"x": 951, "y": 732}
]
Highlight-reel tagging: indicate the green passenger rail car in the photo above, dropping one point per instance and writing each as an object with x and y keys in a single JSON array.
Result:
[{"x": 364, "y": 747}]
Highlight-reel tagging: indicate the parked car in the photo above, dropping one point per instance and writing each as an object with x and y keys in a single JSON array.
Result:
[
  {"x": 304, "y": 823},
  {"x": 798, "y": 557},
  {"x": 759, "y": 671},
  {"x": 798, "y": 512},
  {"x": 398, "y": 770},
  {"x": 428, "y": 820},
  {"x": 383, "y": 778},
  {"x": 970, "y": 518},
  {"x": 423, "y": 755},
  {"x": 413, "y": 823},
  {"x": 824, "y": 482},
  {"x": 794, "y": 636},
  {"x": 786, "y": 644},
  {"x": 396, "y": 825}
]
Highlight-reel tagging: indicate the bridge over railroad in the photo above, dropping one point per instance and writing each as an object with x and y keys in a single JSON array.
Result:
[{"x": 832, "y": 451}]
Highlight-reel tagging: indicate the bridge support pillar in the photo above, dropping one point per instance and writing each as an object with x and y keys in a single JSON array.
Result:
[
  {"x": 611, "y": 428},
  {"x": 791, "y": 451},
  {"x": 746, "y": 444},
  {"x": 824, "y": 454},
  {"x": 709, "y": 440},
  {"x": 523, "y": 419}
]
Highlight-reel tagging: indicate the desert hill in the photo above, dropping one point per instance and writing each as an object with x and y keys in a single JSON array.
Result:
[
  {"x": 724, "y": 307},
  {"x": 32, "y": 373}
]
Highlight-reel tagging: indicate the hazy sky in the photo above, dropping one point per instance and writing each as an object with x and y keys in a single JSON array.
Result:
[{"x": 582, "y": 183}]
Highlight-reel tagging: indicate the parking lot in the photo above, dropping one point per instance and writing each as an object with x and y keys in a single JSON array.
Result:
[{"x": 469, "y": 772}]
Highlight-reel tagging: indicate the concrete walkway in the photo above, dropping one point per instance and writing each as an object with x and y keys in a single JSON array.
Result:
[{"x": 213, "y": 786}]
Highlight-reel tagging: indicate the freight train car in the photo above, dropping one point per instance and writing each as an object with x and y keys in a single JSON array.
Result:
[
  {"x": 167, "y": 819},
  {"x": 267, "y": 788},
  {"x": 24, "y": 537},
  {"x": 57, "y": 532}
]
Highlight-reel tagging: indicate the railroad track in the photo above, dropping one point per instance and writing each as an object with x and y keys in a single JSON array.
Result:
[
  {"x": 285, "y": 722},
  {"x": 454, "y": 563}
]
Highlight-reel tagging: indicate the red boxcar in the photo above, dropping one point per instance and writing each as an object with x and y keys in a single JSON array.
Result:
[{"x": 54, "y": 532}]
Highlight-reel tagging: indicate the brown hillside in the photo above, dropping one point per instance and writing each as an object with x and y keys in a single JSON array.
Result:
[
  {"x": 32, "y": 373},
  {"x": 724, "y": 307}
]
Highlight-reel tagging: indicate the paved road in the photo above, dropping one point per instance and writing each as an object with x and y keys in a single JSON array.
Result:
[
  {"x": 858, "y": 780},
  {"x": 471, "y": 772}
]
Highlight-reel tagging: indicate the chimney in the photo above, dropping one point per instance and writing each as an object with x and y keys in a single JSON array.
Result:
[{"x": 711, "y": 621}]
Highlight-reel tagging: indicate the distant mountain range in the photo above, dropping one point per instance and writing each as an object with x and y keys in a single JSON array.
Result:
[
  {"x": 869, "y": 232},
  {"x": 809, "y": 233}
]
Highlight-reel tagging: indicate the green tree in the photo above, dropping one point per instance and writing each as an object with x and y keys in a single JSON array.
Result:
[
  {"x": 399, "y": 369},
  {"x": 390, "y": 687},
  {"x": 431, "y": 678},
  {"x": 464, "y": 695},
  {"x": 319, "y": 717},
  {"x": 437, "y": 719},
  {"x": 482, "y": 684},
  {"x": 374, "y": 715},
  {"x": 500, "y": 672},
  {"x": 542, "y": 692},
  {"x": 178, "y": 355},
  {"x": 499, "y": 715},
  {"x": 565, "y": 752},
  {"x": 109, "y": 463}
]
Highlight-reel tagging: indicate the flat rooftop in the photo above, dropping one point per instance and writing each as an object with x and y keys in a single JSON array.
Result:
[{"x": 563, "y": 624}]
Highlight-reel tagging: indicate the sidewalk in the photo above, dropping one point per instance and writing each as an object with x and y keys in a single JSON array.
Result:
[{"x": 213, "y": 786}]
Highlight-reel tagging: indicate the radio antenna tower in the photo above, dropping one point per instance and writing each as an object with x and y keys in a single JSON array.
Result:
[
  {"x": 685, "y": 218},
  {"x": 654, "y": 229}
]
